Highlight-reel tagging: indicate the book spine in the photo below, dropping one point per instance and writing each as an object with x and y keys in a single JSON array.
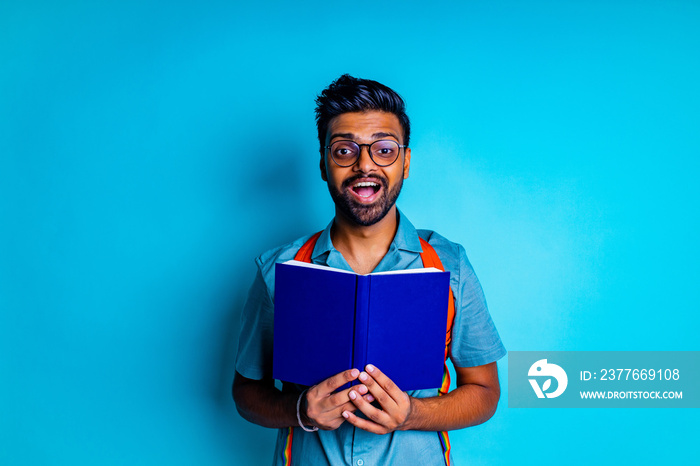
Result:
[{"x": 359, "y": 359}]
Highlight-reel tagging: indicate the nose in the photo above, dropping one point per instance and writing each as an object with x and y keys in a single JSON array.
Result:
[{"x": 364, "y": 162}]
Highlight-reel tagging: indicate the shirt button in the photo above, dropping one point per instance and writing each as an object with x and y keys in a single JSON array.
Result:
[{"x": 360, "y": 462}]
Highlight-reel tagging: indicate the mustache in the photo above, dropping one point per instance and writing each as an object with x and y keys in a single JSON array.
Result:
[{"x": 377, "y": 179}]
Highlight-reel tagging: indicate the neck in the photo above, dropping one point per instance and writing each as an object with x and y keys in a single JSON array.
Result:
[{"x": 363, "y": 247}]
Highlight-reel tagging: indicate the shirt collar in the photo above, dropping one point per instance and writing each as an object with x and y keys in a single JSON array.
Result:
[
  {"x": 406, "y": 235},
  {"x": 406, "y": 239}
]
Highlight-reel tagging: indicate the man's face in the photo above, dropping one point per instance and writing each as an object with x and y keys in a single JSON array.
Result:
[{"x": 365, "y": 192}]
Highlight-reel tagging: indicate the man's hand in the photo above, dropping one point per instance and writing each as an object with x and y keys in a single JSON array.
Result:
[
  {"x": 395, "y": 405},
  {"x": 472, "y": 402},
  {"x": 324, "y": 408},
  {"x": 260, "y": 402}
]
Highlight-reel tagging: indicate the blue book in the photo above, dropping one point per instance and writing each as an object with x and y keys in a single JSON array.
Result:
[{"x": 329, "y": 320}]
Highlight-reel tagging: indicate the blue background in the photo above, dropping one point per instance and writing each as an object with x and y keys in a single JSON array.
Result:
[{"x": 150, "y": 150}]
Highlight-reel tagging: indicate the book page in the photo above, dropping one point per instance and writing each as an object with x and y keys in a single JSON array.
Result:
[
  {"x": 316, "y": 266},
  {"x": 396, "y": 272},
  {"x": 333, "y": 269}
]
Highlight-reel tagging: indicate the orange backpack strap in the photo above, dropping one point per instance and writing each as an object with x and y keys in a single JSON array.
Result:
[
  {"x": 304, "y": 254},
  {"x": 431, "y": 259}
]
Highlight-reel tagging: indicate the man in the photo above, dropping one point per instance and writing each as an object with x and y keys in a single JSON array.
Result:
[{"x": 364, "y": 133}]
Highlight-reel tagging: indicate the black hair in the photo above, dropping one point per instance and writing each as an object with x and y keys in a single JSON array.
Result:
[{"x": 348, "y": 94}]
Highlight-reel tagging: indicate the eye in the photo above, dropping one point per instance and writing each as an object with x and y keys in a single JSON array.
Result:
[
  {"x": 344, "y": 149},
  {"x": 385, "y": 149}
]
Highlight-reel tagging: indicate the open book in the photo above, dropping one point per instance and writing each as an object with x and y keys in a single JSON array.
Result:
[{"x": 328, "y": 320}]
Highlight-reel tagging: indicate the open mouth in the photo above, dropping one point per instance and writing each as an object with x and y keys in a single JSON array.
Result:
[{"x": 366, "y": 189}]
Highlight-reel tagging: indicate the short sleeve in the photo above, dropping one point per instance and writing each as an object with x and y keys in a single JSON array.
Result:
[
  {"x": 475, "y": 340},
  {"x": 254, "y": 358}
]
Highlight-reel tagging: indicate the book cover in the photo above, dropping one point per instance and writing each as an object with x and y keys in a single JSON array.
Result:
[{"x": 328, "y": 320}]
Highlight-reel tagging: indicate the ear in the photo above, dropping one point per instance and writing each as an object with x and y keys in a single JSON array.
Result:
[
  {"x": 406, "y": 162},
  {"x": 322, "y": 164}
]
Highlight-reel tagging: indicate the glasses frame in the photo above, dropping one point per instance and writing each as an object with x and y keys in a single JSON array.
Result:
[{"x": 369, "y": 150}]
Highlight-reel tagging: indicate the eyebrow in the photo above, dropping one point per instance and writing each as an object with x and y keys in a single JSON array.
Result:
[{"x": 352, "y": 137}]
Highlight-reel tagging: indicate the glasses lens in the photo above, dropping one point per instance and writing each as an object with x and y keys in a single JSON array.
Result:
[
  {"x": 385, "y": 152},
  {"x": 344, "y": 152}
]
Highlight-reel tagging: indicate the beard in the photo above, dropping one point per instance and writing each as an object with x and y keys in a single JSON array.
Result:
[{"x": 365, "y": 214}]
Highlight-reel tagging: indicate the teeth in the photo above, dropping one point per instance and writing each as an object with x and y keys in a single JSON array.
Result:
[{"x": 366, "y": 183}]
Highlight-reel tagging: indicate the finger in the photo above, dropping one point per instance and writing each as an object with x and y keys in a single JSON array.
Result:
[
  {"x": 349, "y": 406},
  {"x": 333, "y": 383},
  {"x": 341, "y": 397},
  {"x": 378, "y": 392},
  {"x": 347, "y": 403},
  {"x": 336, "y": 411},
  {"x": 385, "y": 382},
  {"x": 364, "y": 424},
  {"x": 374, "y": 414},
  {"x": 328, "y": 419}
]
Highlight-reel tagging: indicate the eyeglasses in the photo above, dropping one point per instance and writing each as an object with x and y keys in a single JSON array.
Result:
[{"x": 383, "y": 152}]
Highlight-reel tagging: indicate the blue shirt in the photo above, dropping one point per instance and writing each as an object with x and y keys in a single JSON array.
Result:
[{"x": 475, "y": 342}]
